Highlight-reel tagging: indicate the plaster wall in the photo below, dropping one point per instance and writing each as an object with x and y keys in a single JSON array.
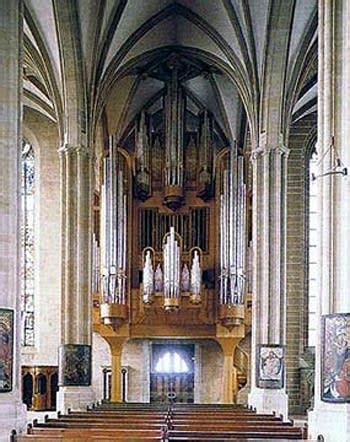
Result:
[
  {"x": 42, "y": 134},
  {"x": 136, "y": 357}
]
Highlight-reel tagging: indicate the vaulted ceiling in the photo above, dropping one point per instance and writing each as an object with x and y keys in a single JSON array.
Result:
[{"x": 115, "y": 42}]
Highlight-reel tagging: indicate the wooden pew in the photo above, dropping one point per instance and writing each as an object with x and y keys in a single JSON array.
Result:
[{"x": 139, "y": 422}]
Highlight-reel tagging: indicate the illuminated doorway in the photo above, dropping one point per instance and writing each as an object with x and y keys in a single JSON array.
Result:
[{"x": 172, "y": 373}]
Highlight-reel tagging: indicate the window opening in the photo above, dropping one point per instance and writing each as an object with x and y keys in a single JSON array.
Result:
[{"x": 27, "y": 243}]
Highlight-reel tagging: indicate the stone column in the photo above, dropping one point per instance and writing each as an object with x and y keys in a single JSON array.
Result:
[
  {"x": 330, "y": 419},
  {"x": 75, "y": 389},
  {"x": 269, "y": 278},
  {"x": 12, "y": 411}
]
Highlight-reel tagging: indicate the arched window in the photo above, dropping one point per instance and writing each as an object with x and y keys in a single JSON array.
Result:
[
  {"x": 27, "y": 242},
  {"x": 313, "y": 251},
  {"x": 171, "y": 362}
]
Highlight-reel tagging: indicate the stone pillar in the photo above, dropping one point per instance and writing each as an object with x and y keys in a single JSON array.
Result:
[
  {"x": 12, "y": 411},
  {"x": 332, "y": 419},
  {"x": 269, "y": 278},
  {"x": 75, "y": 389}
]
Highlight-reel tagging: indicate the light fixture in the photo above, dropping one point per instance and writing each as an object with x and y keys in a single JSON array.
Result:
[{"x": 338, "y": 166}]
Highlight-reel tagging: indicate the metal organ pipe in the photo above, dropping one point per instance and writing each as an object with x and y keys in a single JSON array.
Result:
[
  {"x": 241, "y": 237},
  {"x": 105, "y": 230},
  {"x": 112, "y": 223},
  {"x": 148, "y": 276},
  {"x": 234, "y": 202},
  {"x": 114, "y": 229},
  {"x": 95, "y": 264},
  {"x": 171, "y": 253},
  {"x": 196, "y": 274},
  {"x": 232, "y": 231},
  {"x": 142, "y": 156},
  {"x": 174, "y": 123}
]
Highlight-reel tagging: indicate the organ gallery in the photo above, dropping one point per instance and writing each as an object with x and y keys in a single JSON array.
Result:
[
  {"x": 173, "y": 224},
  {"x": 174, "y": 219}
]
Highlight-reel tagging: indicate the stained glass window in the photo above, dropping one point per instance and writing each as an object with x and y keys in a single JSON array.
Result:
[{"x": 27, "y": 243}]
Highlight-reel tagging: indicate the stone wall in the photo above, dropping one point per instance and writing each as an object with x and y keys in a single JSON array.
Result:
[
  {"x": 211, "y": 380},
  {"x": 136, "y": 357},
  {"x": 297, "y": 257}
]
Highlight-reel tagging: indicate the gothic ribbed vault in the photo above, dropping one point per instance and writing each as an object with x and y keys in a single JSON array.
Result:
[{"x": 111, "y": 39}]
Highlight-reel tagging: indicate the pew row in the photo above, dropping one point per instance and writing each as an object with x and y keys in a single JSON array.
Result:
[{"x": 147, "y": 422}]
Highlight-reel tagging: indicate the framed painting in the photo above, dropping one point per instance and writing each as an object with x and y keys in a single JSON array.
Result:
[
  {"x": 335, "y": 366},
  {"x": 6, "y": 349},
  {"x": 270, "y": 366},
  {"x": 75, "y": 365}
]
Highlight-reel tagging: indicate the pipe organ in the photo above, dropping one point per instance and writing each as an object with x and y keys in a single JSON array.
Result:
[
  {"x": 173, "y": 216},
  {"x": 171, "y": 240}
]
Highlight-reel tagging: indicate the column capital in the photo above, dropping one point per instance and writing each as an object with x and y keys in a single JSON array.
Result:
[
  {"x": 72, "y": 148},
  {"x": 261, "y": 151}
]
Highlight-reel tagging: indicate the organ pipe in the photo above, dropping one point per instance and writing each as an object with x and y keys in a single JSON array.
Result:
[
  {"x": 205, "y": 158},
  {"x": 114, "y": 229},
  {"x": 142, "y": 158},
  {"x": 174, "y": 130},
  {"x": 185, "y": 278},
  {"x": 148, "y": 278},
  {"x": 171, "y": 256},
  {"x": 174, "y": 109},
  {"x": 95, "y": 265},
  {"x": 232, "y": 231},
  {"x": 196, "y": 275},
  {"x": 105, "y": 229}
]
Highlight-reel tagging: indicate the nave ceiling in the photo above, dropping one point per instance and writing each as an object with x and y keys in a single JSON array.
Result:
[{"x": 91, "y": 58}]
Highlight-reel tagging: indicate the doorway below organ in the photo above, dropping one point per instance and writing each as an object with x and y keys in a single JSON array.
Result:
[{"x": 172, "y": 373}]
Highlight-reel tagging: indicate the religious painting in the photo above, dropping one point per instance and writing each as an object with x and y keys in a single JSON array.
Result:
[
  {"x": 6, "y": 349},
  {"x": 75, "y": 364},
  {"x": 270, "y": 366},
  {"x": 335, "y": 371}
]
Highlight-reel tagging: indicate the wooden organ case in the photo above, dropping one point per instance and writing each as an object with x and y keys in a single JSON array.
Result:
[{"x": 172, "y": 182}]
